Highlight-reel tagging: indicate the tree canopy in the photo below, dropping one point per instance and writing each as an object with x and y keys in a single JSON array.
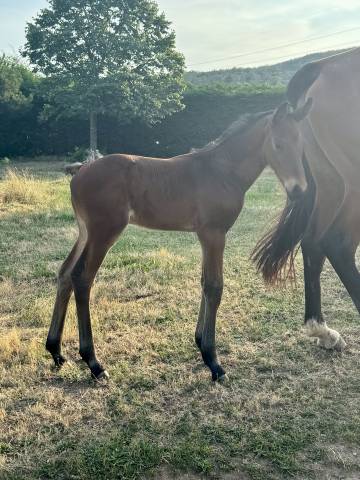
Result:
[
  {"x": 209, "y": 110},
  {"x": 16, "y": 82},
  {"x": 106, "y": 56}
]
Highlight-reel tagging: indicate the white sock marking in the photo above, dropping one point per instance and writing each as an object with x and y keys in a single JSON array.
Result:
[{"x": 327, "y": 337}]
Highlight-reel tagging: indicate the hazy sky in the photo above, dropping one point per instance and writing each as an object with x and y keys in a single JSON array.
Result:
[{"x": 210, "y": 30}]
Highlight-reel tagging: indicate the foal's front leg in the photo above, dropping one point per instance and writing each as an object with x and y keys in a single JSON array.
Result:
[{"x": 213, "y": 244}]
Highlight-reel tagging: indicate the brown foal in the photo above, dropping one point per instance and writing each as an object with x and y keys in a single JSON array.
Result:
[{"x": 201, "y": 192}]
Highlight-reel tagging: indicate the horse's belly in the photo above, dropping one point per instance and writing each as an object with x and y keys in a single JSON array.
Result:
[{"x": 170, "y": 222}]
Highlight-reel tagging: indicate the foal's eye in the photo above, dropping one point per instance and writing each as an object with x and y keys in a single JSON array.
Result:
[{"x": 279, "y": 146}]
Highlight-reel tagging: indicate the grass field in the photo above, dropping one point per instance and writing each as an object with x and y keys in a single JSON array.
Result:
[{"x": 290, "y": 410}]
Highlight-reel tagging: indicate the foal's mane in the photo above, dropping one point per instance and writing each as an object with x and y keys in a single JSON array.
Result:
[{"x": 239, "y": 127}]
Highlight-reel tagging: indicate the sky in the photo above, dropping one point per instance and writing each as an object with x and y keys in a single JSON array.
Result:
[{"x": 215, "y": 34}]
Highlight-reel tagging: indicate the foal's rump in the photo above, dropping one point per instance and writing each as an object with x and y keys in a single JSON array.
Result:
[{"x": 100, "y": 191}]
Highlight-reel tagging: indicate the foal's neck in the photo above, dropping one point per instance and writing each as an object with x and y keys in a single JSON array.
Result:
[{"x": 245, "y": 153}]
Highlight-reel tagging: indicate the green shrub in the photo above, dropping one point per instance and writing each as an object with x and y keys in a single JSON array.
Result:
[{"x": 79, "y": 154}]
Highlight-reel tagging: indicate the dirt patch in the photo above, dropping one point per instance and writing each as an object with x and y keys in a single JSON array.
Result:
[
  {"x": 166, "y": 473},
  {"x": 342, "y": 462}
]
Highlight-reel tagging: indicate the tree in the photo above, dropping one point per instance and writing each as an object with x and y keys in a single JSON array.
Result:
[
  {"x": 16, "y": 82},
  {"x": 106, "y": 56},
  {"x": 18, "y": 87}
]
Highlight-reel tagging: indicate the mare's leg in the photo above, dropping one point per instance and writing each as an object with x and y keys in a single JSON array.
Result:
[
  {"x": 64, "y": 291},
  {"x": 213, "y": 244},
  {"x": 314, "y": 257},
  {"x": 100, "y": 239},
  {"x": 340, "y": 249},
  {"x": 341, "y": 254}
]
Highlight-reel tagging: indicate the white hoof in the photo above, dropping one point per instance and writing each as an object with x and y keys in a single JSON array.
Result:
[
  {"x": 104, "y": 375},
  {"x": 326, "y": 337}
]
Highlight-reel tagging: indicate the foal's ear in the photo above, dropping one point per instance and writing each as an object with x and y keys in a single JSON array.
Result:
[
  {"x": 281, "y": 112},
  {"x": 301, "y": 112}
]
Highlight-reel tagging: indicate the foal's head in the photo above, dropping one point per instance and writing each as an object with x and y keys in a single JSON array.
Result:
[{"x": 284, "y": 147}]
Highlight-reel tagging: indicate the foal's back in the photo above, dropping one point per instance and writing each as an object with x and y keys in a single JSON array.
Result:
[
  {"x": 152, "y": 192},
  {"x": 183, "y": 193}
]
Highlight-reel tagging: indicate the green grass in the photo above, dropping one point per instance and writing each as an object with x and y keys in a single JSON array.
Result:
[{"x": 289, "y": 410}]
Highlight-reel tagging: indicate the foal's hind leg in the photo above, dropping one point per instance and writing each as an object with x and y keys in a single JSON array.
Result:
[
  {"x": 64, "y": 290},
  {"x": 213, "y": 243},
  {"x": 314, "y": 258},
  {"x": 100, "y": 239}
]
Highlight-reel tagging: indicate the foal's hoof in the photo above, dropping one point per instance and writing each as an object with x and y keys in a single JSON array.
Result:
[
  {"x": 101, "y": 376},
  {"x": 59, "y": 360},
  {"x": 219, "y": 375}
]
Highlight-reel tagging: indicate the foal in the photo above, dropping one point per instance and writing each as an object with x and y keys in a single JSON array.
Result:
[{"x": 201, "y": 192}]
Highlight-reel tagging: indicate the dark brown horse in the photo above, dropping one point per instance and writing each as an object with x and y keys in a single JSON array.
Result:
[
  {"x": 326, "y": 220},
  {"x": 200, "y": 192}
]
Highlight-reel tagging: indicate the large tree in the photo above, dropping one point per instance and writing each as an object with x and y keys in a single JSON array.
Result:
[{"x": 106, "y": 56}]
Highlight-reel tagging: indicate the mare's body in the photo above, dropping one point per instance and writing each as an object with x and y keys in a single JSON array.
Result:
[{"x": 326, "y": 221}]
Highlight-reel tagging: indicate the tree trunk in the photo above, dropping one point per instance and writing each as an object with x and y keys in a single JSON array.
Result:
[{"x": 93, "y": 136}]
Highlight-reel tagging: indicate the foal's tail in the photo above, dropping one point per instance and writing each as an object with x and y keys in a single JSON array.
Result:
[{"x": 275, "y": 252}]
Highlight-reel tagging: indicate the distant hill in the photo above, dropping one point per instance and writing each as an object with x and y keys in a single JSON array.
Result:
[{"x": 278, "y": 74}]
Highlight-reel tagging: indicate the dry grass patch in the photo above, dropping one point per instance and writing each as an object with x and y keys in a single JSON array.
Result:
[
  {"x": 21, "y": 187},
  {"x": 9, "y": 345},
  {"x": 37, "y": 311},
  {"x": 160, "y": 416},
  {"x": 20, "y": 347}
]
